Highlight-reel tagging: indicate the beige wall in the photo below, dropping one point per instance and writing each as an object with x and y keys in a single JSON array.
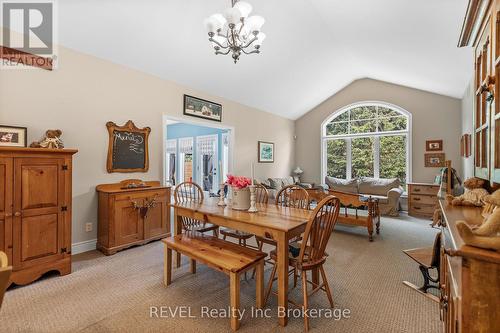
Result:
[
  {"x": 86, "y": 92},
  {"x": 468, "y": 128},
  {"x": 434, "y": 117}
]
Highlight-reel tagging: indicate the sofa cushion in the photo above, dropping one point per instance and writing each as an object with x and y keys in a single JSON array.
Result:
[
  {"x": 266, "y": 183},
  {"x": 288, "y": 181},
  {"x": 276, "y": 183},
  {"x": 342, "y": 185},
  {"x": 377, "y": 186}
]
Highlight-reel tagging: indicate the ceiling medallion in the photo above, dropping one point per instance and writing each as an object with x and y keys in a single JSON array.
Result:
[{"x": 235, "y": 32}]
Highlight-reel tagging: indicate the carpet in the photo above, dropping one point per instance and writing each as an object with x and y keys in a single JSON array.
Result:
[{"x": 120, "y": 292}]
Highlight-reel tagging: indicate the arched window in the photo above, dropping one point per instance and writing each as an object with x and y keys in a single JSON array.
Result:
[{"x": 367, "y": 139}]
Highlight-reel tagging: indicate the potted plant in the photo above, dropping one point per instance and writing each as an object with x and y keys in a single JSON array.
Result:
[{"x": 240, "y": 191}]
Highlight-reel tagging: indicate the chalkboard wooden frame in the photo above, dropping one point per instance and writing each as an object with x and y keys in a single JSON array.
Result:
[{"x": 129, "y": 127}]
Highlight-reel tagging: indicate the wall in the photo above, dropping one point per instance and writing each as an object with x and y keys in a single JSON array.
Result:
[
  {"x": 468, "y": 128},
  {"x": 434, "y": 117},
  {"x": 86, "y": 92},
  {"x": 183, "y": 130}
]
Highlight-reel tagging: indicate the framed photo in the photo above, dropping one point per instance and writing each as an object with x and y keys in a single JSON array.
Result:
[
  {"x": 13, "y": 136},
  {"x": 266, "y": 152},
  {"x": 434, "y": 160},
  {"x": 197, "y": 107},
  {"x": 434, "y": 145}
]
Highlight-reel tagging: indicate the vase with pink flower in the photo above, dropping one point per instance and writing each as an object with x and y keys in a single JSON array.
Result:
[{"x": 240, "y": 191}]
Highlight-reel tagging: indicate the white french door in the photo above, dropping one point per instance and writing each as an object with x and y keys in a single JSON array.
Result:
[{"x": 207, "y": 147}]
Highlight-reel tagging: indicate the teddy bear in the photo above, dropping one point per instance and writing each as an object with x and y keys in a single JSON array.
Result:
[
  {"x": 487, "y": 235},
  {"x": 51, "y": 140},
  {"x": 474, "y": 193}
]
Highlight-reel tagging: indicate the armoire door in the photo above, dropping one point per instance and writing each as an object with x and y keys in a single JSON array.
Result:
[
  {"x": 484, "y": 79},
  {"x": 495, "y": 114},
  {"x": 6, "y": 181},
  {"x": 38, "y": 223},
  {"x": 128, "y": 224},
  {"x": 156, "y": 220}
]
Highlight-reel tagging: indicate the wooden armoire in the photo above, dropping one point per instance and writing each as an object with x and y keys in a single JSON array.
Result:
[
  {"x": 35, "y": 211},
  {"x": 481, "y": 30}
]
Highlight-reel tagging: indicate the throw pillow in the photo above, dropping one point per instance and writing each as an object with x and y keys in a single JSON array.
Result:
[
  {"x": 377, "y": 186},
  {"x": 342, "y": 185}
]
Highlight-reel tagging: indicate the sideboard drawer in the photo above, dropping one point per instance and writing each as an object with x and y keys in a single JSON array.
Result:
[
  {"x": 419, "y": 209},
  {"x": 424, "y": 199},
  {"x": 424, "y": 189}
]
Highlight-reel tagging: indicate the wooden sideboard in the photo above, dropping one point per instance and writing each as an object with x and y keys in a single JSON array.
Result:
[
  {"x": 470, "y": 277},
  {"x": 132, "y": 216},
  {"x": 35, "y": 211},
  {"x": 422, "y": 199}
]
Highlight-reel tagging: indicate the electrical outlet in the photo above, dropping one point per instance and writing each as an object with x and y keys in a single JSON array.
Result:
[{"x": 88, "y": 227}]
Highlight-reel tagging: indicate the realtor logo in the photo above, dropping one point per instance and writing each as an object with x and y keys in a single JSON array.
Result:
[{"x": 27, "y": 33}]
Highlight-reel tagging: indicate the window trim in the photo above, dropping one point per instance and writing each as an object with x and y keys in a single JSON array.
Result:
[{"x": 324, "y": 138}]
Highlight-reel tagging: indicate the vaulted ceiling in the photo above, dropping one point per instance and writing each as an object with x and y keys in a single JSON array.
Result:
[{"x": 313, "y": 48}]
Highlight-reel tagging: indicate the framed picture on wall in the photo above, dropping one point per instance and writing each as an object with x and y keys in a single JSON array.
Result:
[
  {"x": 266, "y": 152},
  {"x": 434, "y": 145},
  {"x": 434, "y": 160},
  {"x": 200, "y": 108},
  {"x": 13, "y": 136}
]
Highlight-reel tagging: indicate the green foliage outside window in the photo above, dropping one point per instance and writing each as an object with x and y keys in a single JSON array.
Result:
[{"x": 372, "y": 121}]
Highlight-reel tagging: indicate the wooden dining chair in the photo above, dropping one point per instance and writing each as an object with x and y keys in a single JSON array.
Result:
[
  {"x": 192, "y": 192},
  {"x": 312, "y": 253},
  {"x": 261, "y": 196},
  {"x": 5, "y": 271},
  {"x": 289, "y": 196}
]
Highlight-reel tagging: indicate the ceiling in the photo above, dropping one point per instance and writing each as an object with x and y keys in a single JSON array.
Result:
[{"x": 313, "y": 48}]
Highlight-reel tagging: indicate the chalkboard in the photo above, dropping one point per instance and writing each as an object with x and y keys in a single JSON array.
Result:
[{"x": 128, "y": 148}]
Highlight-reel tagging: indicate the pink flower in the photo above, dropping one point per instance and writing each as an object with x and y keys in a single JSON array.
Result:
[{"x": 238, "y": 181}]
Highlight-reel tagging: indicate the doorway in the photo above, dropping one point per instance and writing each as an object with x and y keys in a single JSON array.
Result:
[{"x": 195, "y": 151}]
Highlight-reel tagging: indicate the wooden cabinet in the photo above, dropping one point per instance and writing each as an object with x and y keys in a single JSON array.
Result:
[
  {"x": 132, "y": 216},
  {"x": 481, "y": 29},
  {"x": 422, "y": 199},
  {"x": 35, "y": 211},
  {"x": 470, "y": 277}
]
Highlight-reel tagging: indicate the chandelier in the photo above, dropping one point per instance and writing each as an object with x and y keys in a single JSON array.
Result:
[{"x": 235, "y": 32}]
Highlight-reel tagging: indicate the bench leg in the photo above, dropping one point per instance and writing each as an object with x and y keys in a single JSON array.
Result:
[
  {"x": 167, "y": 266},
  {"x": 235, "y": 299},
  {"x": 259, "y": 285},
  {"x": 193, "y": 266}
]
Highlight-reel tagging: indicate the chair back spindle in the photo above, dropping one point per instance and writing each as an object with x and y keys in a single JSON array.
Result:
[
  {"x": 293, "y": 196},
  {"x": 261, "y": 195},
  {"x": 189, "y": 192}
]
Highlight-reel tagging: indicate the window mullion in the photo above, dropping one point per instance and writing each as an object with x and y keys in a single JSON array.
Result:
[
  {"x": 376, "y": 157},
  {"x": 349, "y": 158}
]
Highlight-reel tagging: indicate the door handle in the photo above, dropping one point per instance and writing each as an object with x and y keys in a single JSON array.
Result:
[
  {"x": 8, "y": 214},
  {"x": 17, "y": 214}
]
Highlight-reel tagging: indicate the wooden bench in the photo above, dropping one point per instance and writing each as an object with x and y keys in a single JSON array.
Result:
[{"x": 223, "y": 256}]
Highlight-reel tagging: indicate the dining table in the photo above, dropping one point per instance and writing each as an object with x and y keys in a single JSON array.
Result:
[{"x": 276, "y": 222}]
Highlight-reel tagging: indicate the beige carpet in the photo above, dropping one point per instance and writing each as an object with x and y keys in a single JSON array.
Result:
[{"x": 114, "y": 294}]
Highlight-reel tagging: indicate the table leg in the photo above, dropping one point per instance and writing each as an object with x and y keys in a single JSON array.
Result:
[
  {"x": 259, "y": 285},
  {"x": 282, "y": 263},
  {"x": 177, "y": 231},
  {"x": 167, "y": 265}
]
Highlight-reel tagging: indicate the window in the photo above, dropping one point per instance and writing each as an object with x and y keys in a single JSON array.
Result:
[
  {"x": 367, "y": 140},
  {"x": 171, "y": 152},
  {"x": 185, "y": 159}
]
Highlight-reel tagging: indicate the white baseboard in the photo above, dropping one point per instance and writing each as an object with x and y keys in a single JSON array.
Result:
[{"x": 83, "y": 246}]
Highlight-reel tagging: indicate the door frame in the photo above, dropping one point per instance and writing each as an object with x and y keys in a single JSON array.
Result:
[{"x": 230, "y": 129}]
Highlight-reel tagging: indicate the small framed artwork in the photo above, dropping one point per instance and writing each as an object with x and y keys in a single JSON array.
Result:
[
  {"x": 434, "y": 145},
  {"x": 266, "y": 152},
  {"x": 434, "y": 160},
  {"x": 13, "y": 136},
  {"x": 200, "y": 108}
]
